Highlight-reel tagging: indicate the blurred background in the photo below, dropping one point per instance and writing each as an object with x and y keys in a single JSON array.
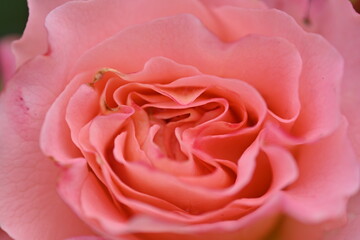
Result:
[{"x": 13, "y": 16}]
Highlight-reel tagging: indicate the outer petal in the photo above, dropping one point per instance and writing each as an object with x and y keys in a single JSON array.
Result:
[
  {"x": 81, "y": 25},
  {"x": 337, "y": 21},
  {"x": 28, "y": 197},
  {"x": 327, "y": 168},
  {"x": 340, "y": 25},
  {"x": 322, "y": 65},
  {"x": 34, "y": 39}
]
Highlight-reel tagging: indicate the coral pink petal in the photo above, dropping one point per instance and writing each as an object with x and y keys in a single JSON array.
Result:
[
  {"x": 28, "y": 196},
  {"x": 328, "y": 168},
  {"x": 35, "y": 38}
]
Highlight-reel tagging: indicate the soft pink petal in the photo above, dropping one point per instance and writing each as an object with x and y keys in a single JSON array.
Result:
[{"x": 328, "y": 168}]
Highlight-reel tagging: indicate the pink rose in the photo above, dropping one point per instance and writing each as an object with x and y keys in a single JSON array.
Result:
[{"x": 183, "y": 119}]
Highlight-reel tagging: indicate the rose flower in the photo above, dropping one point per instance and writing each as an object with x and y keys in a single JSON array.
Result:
[{"x": 182, "y": 119}]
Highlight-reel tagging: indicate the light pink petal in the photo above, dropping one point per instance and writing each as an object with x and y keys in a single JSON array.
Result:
[
  {"x": 7, "y": 60},
  {"x": 35, "y": 38},
  {"x": 328, "y": 168}
]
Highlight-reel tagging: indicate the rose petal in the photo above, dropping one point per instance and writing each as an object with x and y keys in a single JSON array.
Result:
[
  {"x": 212, "y": 57},
  {"x": 29, "y": 184},
  {"x": 339, "y": 24},
  {"x": 69, "y": 24},
  {"x": 344, "y": 34},
  {"x": 34, "y": 39},
  {"x": 322, "y": 65},
  {"x": 351, "y": 228},
  {"x": 61, "y": 148},
  {"x": 327, "y": 167}
]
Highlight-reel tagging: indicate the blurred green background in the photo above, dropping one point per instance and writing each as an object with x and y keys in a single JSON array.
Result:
[{"x": 13, "y": 16}]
